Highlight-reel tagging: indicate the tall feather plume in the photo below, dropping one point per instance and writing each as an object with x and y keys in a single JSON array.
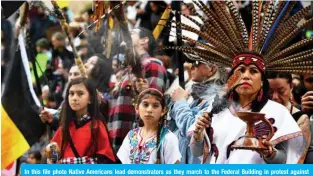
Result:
[
  {"x": 239, "y": 22},
  {"x": 301, "y": 56},
  {"x": 215, "y": 23},
  {"x": 293, "y": 48},
  {"x": 207, "y": 47},
  {"x": 259, "y": 30},
  {"x": 193, "y": 11},
  {"x": 263, "y": 22},
  {"x": 278, "y": 6},
  {"x": 235, "y": 29},
  {"x": 208, "y": 28},
  {"x": 255, "y": 23},
  {"x": 207, "y": 25},
  {"x": 197, "y": 42},
  {"x": 287, "y": 14},
  {"x": 285, "y": 17},
  {"x": 219, "y": 45},
  {"x": 273, "y": 28},
  {"x": 201, "y": 53},
  {"x": 206, "y": 22},
  {"x": 266, "y": 21},
  {"x": 223, "y": 29},
  {"x": 292, "y": 71},
  {"x": 288, "y": 26},
  {"x": 225, "y": 23},
  {"x": 287, "y": 39},
  {"x": 295, "y": 63},
  {"x": 305, "y": 69}
]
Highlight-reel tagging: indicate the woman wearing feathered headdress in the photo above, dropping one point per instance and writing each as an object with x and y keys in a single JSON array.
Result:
[{"x": 249, "y": 57}]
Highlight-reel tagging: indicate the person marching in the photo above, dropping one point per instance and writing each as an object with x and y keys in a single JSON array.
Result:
[
  {"x": 229, "y": 45},
  {"x": 152, "y": 143},
  {"x": 82, "y": 136}
]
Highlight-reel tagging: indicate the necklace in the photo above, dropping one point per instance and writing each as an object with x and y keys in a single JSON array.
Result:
[
  {"x": 249, "y": 104},
  {"x": 289, "y": 107}
]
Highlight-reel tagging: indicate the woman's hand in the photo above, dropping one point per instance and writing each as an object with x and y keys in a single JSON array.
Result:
[
  {"x": 49, "y": 161},
  {"x": 307, "y": 102},
  {"x": 269, "y": 153},
  {"x": 202, "y": 123}
]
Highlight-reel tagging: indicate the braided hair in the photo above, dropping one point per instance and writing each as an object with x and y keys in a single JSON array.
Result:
[{"x": 162, "y": 121}]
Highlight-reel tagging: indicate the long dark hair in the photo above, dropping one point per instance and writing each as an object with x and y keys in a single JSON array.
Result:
[
  {"x": 274, "y": 75},
  {"x": 160, "y": 97},
  {"x": 67, "y": 115},
  {"x": 256, "y": 105},
  {"x": 101, "y": 73}
]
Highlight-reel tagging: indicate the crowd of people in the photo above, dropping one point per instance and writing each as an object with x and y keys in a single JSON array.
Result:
[{"x": 140, "y": 114}]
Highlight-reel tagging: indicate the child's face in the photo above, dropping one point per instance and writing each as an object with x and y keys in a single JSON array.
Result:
[
  {"x": 79, "y": 98},
  {"x": 31, "y": 159},
  {"x": 150, "y": 110},
  {"x": 38, "y": 49}
]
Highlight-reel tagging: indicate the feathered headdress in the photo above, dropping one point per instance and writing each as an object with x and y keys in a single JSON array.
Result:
[{"x": 227, "y": 41}]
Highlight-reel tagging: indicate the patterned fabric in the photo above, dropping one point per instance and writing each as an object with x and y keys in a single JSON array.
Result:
[
  {"x": 248, "y": 59},
  {"x": 82, "y": 121},
  {"x": 80, "y": 160},
  {"x": 122, "y": 113},
  {"x": 154, "y": 72},
  {"x": 136, "y": 150},
  {"x": 121, "y": 110},
  {"x": 304, "y": 124},
  {"x": 262, "y": 129},
  {"x": 140, "y": 154}
]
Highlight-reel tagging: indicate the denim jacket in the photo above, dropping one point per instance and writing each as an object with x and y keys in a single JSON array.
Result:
[{"x": 183, "y": 116}]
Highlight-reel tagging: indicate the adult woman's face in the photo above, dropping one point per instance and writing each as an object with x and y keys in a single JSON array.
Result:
[
  {"x": 90, "y": 64},
  {"x": 251, "y": 80},
  {"x": 280, "y": 90}
]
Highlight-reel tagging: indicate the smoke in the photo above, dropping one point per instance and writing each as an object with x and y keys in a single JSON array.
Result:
[{"x": 215, "y": 95}]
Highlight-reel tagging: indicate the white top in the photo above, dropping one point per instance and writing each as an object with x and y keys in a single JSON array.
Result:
[
  {"x": 131, "y": 152},
  {"x": 228, "y": 128}
]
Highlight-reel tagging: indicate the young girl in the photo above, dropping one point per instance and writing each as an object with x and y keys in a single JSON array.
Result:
[
  {"x": 82, "y": 136},
  {"x": 152, "y": 143}
]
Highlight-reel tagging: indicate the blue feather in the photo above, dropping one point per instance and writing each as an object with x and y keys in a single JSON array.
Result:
[
  {"x": 274, "y": 26},
  {"x": 163, "y": 132}
]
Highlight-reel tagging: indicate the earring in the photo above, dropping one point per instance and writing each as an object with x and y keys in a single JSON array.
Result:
[{"x": 260, "y": 95}]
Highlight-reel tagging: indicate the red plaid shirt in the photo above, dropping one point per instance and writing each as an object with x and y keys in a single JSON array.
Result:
[{"x": 154, "y": 72}]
